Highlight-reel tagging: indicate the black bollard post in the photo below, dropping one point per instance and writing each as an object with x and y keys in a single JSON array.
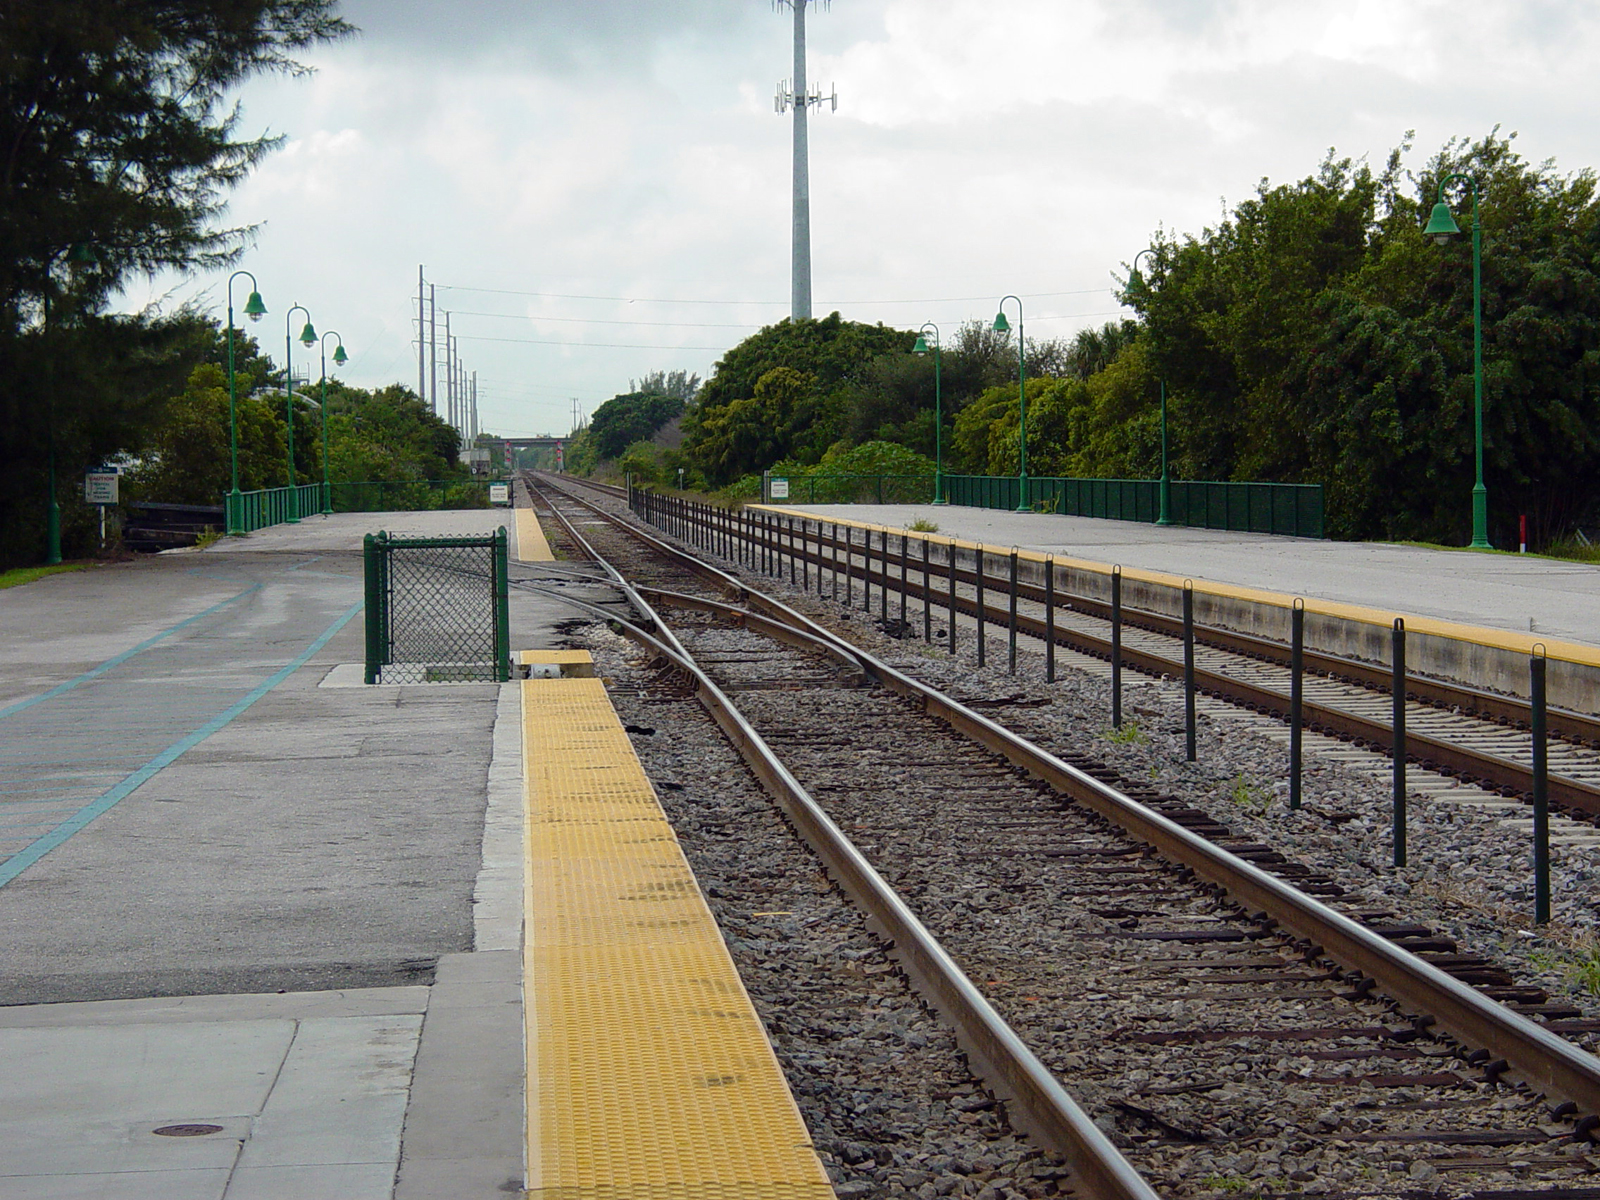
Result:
[
  {"x": 1188, "y": 670},
  {"x": 833, "y": 560},
  {"x": 952, "y": 638},
  {"x": 1398, "y": 662},
  {"x": 1011, "y": 619},
  {"x": 927, "y": 593},
  {"x": 883, "y": 577},
  {"x": 1541, "y": 788},
  {"x": 1116, "y": 648},
  {"x": 866, "y": 571},
  {"x": 905, "y": 577},
  {"x": 849, "y": 568},
  {"x": 1050, "y": 619},
  {"x": 978, "y": 575},
  {"x": 1297, "y": 653},
  {"x": 884, "y": 556}
]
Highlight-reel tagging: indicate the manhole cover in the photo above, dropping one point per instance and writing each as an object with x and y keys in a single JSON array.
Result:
[{"x": 192, "y": 1130}]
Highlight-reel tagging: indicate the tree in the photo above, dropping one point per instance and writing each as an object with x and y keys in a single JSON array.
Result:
[
  {"x": 807, "y": 367},
  {"x": 117, "y": 148},
  {"x": 1316, "y": 336},
  {"x": 634, "y": 417},
  {"x": 679, "y": 385}
]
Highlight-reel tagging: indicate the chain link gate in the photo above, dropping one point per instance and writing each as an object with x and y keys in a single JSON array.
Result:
[{"x": 437, "y": 609}]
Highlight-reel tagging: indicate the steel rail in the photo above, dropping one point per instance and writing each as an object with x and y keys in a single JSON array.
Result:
[
  {"x": 1037, "y": 1102},
  {"x": 1548, "y": 1063},
  {"x": 1428, "y": 751},
  {"x": 1570, "y": 725}
]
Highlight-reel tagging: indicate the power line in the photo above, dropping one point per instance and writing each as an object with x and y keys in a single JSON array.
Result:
[
  {"x": 764, "y": 303},
  {"x": 463, "y": 337},
  {"x": 602, "y": 321}
]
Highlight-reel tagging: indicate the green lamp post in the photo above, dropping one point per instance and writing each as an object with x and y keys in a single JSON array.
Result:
[
  {"x": 339, "y": 360},
  {"x": 308, "y": 338},
  {"x": 1441, "y": 227},
  {"x": 255, "y": 309},
  {"x": 80, "y": 254},
  {"x": 1002, "y": 326},
  {"x": 938, "y": 408},
  {"x": 1165, "y": 517}
]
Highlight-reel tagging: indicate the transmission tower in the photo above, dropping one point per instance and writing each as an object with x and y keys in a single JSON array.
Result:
[{"x": 793, "y": 94}]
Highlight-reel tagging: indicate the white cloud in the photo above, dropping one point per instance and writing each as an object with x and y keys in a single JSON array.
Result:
[{"x": 599, "y": 148}]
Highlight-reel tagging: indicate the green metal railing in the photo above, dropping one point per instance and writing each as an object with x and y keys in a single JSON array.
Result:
[
  {"x": 250, "y": 511},
  {"x": 437, "y": 609},
  {"x": 1293, "y": 509},
  {"x": 854, "y": 489},
  {"x": 410, "y": 495}
]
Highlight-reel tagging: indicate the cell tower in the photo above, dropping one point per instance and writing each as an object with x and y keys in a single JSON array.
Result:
[{"x": 793, "y": 94}]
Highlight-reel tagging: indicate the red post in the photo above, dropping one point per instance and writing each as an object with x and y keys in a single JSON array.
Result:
[{"x": 1524, "y": 539}]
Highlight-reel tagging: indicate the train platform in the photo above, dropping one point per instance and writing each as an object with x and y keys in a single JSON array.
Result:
[
  {"x": 261, "y": 934},
  {"x": 649, "y": 1071},
  {"x": 1539, "y": 598},
  {"x": 264, "y": 929}
]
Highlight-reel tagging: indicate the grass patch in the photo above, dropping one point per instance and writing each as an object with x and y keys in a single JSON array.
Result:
[
  {"x": 21, "y": 575},
  {"x": 1566, "y": 550},
  {"x": 210, "y": 537},
  {"x": 1250, "y": 797},
  {"x": 923, "y": 525},
  {"x": 1128, "y": 735}
]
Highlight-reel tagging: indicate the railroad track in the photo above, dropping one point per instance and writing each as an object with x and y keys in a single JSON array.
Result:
[
  {"x": 1206, "y": 1001},
  {"x": 1471, "y": 734}
]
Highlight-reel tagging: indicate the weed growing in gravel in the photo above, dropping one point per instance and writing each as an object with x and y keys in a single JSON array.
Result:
[
  {"x": 923, "y": 525},
  {"x": 1232, "y": 1184},
  {"x": 210, "y": 537},
  {"x": 1585, "y": 971},
  {"x": 1248, "y": 796},
  {"x": 1129, "y": 735}
]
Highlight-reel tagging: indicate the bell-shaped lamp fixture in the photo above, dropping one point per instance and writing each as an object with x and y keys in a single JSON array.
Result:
[
  {"x": 255, "y": 308},
  {"x": 339, "y": 356},
  {"x": 308, "y": 335},
  {"x": 922, "y": 345},
  {"x": 1001, "y": 325},
  {"x": 1441, "y": 226}
]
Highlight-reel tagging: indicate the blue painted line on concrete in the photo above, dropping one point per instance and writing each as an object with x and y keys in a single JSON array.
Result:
[
  {"x": 23, "y": 859},
  {"x": 119, "y": 659}
]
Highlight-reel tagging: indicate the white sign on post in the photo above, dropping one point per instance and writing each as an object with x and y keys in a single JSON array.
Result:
[
  {"x": 100, "y": 486},
  {"x": 780, "y": 489},
  {"x": 499, "y": 493}
]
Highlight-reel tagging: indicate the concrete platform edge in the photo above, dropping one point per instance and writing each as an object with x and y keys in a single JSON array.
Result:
[{"x": 463, "y": 1133}]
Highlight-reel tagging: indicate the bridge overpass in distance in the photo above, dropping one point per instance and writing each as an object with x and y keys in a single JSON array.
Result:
[{"x": 514, "y": 444}]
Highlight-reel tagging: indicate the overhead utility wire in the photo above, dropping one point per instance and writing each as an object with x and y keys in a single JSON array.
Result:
[
  {"x": 463, "y": 337},
  {"x": 762, "y": 303},
  {"x": 467, "y": 337},
  {"x": 460, "y": 312}
]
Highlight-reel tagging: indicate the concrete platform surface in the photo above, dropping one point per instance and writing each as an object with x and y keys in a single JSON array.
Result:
[
  {"x": 344, "y": 531},
  {"x": 293, "y": 1095},
  {"x": 232, "y": 896},
  {"x": 1521, "y": 594}
]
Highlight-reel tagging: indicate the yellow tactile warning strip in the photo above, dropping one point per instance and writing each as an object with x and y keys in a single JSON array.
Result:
[
  {"x": 569, "y": 663},
  {"x": 531, "y": 543},
  {"x": 649, "y": 1074},
  {"x": 1500, "y": 639}
]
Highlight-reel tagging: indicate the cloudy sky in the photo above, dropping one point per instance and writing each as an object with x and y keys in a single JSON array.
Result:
[{"x": 600, "y": 188}]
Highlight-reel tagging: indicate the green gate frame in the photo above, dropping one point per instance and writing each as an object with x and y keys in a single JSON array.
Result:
[{"x": 378, "y": 569}]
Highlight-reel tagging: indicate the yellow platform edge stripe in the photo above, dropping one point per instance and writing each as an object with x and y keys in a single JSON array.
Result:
[
  {"x": 531, "y": 543},
  {"x": 1478, "y": 635},
  {"x": 558, "y": 657},
  {"x": 649, "y": 1073}
]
